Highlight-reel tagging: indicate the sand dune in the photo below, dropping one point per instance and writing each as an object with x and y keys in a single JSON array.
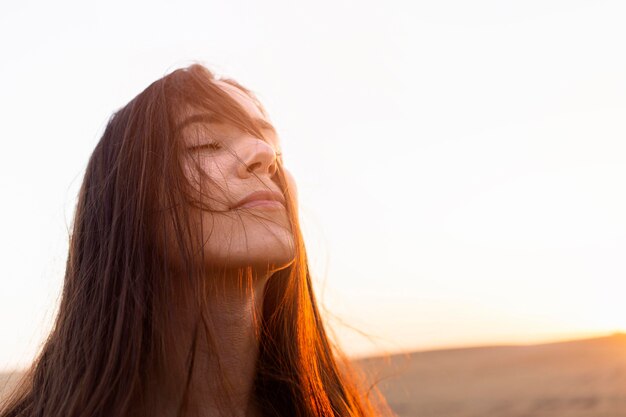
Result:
[{"x": 567, "y": 379}]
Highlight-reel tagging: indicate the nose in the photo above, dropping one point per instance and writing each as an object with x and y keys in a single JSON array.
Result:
[{"x": 258, "y": 158}]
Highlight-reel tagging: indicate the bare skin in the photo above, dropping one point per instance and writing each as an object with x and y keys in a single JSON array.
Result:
[
  {"x": 258, "y": 239},
  {"x": 233, "y": 318}
]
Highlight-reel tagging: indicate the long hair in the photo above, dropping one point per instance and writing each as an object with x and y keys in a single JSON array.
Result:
[{"x": 114, "y": 312}]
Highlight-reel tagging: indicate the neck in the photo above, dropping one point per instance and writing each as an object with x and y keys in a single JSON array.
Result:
[{"x": 232, "y": 316}]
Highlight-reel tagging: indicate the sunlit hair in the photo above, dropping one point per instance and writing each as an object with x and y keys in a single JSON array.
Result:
[{"x": 109, "y": 339}]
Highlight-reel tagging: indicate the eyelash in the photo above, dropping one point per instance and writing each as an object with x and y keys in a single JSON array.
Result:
[{"x": 213, "y": 146}]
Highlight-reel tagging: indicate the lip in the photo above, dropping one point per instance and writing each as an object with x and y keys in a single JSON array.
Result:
[{"x": 264, "y": 199}]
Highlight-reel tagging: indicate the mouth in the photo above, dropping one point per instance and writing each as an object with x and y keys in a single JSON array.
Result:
[
  {"x": 265, "y": 204},
  {"x": 261, "y": 199}
]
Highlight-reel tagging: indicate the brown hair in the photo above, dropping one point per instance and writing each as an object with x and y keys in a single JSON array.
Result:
[{"x": 114, "y": 315}]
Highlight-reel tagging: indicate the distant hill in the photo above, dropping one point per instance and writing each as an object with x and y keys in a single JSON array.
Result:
[
  {"x": 581, "y": 378},
  {"x": 566, "y": 379}
]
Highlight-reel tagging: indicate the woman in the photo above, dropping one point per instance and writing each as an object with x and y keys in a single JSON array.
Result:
[{"x": 187, "y": 290}]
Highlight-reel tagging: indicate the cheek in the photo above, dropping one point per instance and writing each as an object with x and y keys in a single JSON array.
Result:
[{"x": 208, "y": 178}]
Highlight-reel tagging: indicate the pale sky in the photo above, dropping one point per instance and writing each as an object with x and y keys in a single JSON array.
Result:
[{"x": 461, "y": 165}]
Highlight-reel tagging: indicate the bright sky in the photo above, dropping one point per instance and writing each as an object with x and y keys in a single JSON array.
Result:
[{"x": 461, "y": 165}]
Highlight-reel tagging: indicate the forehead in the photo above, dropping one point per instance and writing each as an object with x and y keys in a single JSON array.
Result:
[
  {"x": 192, "y": 120},
  {"x": 242, "y": 98}
]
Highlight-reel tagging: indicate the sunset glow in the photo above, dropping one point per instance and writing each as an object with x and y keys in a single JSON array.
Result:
[{"x": 461, "y": 166}]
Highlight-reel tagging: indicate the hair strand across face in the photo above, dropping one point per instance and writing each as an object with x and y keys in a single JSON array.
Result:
[{"x": 131, "y": 237}]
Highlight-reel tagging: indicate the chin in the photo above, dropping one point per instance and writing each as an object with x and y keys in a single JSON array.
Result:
[{"x": 260, "y": 255}]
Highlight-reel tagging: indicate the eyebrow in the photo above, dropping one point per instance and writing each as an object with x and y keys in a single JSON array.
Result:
[{"x": 214, "y": 118}]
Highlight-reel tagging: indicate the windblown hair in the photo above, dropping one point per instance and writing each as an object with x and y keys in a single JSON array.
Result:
[{"x": 115, "y": 306}]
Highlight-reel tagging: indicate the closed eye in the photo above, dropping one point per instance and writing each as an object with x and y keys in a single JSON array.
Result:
[{"x": 211, "y": 146}]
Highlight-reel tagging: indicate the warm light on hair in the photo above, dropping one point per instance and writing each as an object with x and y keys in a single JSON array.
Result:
[{"x": 110, "y": 334}]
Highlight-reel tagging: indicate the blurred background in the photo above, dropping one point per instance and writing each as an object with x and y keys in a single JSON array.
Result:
[{"x": 461, "y": 169}]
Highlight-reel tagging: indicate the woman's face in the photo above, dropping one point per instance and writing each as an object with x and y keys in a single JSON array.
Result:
[{"x": 243, "y": 219}]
